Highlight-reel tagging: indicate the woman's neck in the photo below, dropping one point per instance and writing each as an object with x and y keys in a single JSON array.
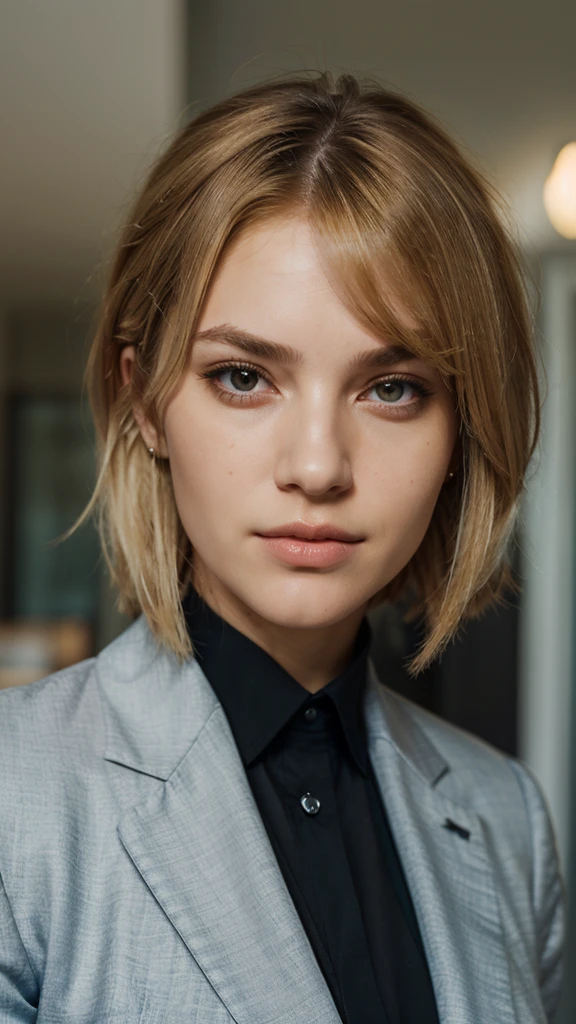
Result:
[{"x": 312, "y": 656}]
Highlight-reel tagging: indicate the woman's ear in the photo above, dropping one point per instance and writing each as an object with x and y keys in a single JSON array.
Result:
[
  {"x": 147, "y": 429},
  {"x": 127, "y": 357}
]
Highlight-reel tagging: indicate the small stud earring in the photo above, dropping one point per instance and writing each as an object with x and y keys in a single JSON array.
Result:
[
  {"x": 152, "y": 451},
  {"x": 450, "y": 475}
]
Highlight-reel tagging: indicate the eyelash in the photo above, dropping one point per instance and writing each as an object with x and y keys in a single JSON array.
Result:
[{"x": 238, "y": 398}]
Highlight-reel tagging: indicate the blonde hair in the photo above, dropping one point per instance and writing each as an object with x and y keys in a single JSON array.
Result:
[{"x": 384, "y": 188}]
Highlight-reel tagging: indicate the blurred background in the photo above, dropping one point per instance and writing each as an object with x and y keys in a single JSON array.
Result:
[{"x": 92, "y": 91}]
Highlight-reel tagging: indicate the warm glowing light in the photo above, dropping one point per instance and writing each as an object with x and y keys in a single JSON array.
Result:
[{"x": 560, "y": 192}]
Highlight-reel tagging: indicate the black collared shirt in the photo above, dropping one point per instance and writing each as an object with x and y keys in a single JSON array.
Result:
[{"x": 307, "y": 763}]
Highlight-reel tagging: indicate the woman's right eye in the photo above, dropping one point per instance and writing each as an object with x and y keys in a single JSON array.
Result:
[
  {"x": 241, "y": 384},
  {"x": 241, "y": 378}
]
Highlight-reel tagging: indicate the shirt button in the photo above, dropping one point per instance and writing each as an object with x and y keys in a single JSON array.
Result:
[
  {"x": 311, "y": 804},
  {"x": 311, "y": 714}
]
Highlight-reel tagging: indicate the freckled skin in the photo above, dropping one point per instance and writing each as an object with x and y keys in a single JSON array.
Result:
[{"x": 308, "y": 447}]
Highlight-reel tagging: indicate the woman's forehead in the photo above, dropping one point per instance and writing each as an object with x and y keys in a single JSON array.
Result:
[{"x": 272, "y": 281}]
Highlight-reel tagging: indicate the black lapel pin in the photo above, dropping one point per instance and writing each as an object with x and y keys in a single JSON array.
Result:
[{"x": 464, "y": 833}]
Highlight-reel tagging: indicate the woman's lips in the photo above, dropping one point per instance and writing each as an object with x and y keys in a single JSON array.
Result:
[{"x": 319, "y": 554}]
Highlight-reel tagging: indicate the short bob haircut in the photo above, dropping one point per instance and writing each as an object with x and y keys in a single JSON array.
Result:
[{"x": 385, "y": 190}]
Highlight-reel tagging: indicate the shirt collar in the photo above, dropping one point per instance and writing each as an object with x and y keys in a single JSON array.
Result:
[{"x": 258, "y": 696}]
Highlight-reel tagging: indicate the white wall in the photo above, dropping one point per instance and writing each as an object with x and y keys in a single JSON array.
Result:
[{"x": 90, "y": 88}]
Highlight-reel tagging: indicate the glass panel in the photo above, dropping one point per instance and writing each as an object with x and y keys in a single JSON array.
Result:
[{"x": 53, "y": 475}]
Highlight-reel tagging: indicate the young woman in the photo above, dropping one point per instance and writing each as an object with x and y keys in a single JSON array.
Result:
[{"x": 315, "y": 390}]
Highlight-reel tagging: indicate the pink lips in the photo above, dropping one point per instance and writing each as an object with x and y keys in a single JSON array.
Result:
[
  {"x": 302, "y": 544},
  {"x": 308, "y": 531}
]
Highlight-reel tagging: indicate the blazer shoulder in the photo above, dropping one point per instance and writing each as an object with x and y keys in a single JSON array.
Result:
[
  {"x": 479, "y": 773},
  {"x": 64, "y": 702},
  {"x": 45, "y": 694},
  {"x": 51, "y": 743},
  {"x": 40, "y": 719},
  {"x": 498, "y": 787}
]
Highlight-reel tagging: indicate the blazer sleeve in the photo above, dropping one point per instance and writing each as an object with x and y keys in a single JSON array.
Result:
[
  {"x": 548, "y": 893},
  {"x": 18, "y": 989}
]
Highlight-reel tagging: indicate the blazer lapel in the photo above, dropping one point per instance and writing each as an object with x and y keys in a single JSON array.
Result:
[
  {"x": 199, "y": 842},
  {"x": 449, "y": 876}
]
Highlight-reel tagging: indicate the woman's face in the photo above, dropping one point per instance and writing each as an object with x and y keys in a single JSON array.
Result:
[{"x": 291, "y": 412}]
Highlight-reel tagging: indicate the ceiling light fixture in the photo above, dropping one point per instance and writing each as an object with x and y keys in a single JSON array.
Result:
[{"x": 560, "y": 192}]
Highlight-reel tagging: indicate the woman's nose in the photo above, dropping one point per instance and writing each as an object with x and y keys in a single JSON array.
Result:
[{"x": 313, "y": 451}]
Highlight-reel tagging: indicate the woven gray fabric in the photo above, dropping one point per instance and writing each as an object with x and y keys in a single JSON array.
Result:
[{"x": 139, "y": 884}]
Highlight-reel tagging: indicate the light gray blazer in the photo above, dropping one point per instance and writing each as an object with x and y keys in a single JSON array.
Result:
[{"x": 139, "y": 884}]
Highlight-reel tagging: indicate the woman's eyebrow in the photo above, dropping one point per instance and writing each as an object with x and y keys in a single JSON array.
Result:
[{"x": 285, "y": 355}]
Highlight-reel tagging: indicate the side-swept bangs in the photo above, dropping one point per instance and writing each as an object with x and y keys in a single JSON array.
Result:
[{"x": 390, "y": 199}]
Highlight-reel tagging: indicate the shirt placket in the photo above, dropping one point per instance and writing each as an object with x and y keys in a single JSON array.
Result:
[{"x": 312, "y": 807}]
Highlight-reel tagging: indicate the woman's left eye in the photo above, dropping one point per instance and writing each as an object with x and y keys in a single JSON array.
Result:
[{"x": 396, "y": 392}]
